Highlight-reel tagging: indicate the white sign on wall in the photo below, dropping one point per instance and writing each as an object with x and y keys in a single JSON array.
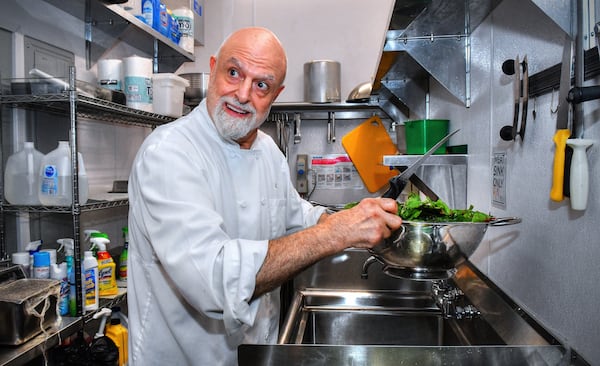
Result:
[{"x": 499, "y": 179}]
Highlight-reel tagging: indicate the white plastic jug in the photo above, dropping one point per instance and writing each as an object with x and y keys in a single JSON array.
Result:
[
  {"x": 55, "y": 177},
  {"x": 21, "y": 176}
]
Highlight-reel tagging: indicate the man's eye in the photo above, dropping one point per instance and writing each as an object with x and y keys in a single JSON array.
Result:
[
  {"x": 262, "y": 85},
  {"x": 233, "y": 72}
]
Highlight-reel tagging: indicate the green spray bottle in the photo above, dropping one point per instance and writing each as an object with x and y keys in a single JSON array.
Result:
[{"x": 123, "y": 256}]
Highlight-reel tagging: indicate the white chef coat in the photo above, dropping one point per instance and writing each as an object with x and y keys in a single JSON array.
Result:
[{"x": 201, "y": 213}]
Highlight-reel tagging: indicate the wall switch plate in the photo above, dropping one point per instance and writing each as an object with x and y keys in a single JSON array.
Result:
[{"x": 301, "y": 173}]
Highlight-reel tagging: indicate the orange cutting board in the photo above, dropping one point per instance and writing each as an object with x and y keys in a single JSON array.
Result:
[{"x": 366, "y": 145}]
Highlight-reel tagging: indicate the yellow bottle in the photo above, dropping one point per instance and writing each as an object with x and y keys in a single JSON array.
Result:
[
  {"x": 107, "y": 281},
  {"x": 118, "y": 334}
]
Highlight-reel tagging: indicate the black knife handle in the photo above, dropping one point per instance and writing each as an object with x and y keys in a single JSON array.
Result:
[{"x": 583, "y": 94}]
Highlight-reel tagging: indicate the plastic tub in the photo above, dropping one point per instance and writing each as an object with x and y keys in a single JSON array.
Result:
[
  {"x": 422, "y": 134},
  {"x": 168, "y": 90}
]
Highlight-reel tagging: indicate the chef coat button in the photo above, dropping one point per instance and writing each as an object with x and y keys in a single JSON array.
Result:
[
  {"x": 263, "y": 201},
  {"x": 243, "y": 204}
]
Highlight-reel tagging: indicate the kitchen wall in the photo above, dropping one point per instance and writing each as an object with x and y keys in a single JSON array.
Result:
[
  {"x": 309, "y": 30},
  {"x": 548, "y": 263}
]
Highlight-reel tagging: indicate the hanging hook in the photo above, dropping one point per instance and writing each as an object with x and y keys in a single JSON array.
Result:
[{"x": 552, "y": 102}]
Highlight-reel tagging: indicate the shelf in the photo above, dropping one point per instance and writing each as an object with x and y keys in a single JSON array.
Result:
[
  {"x": 30, "y": 350},
  {"x": 320, "y": 111},
  {"x": 105, "y": 25},
  {"x": 87, "y": 107},
  {"x": 407, "y": 160},
  {"x": 91, "y": 205}
]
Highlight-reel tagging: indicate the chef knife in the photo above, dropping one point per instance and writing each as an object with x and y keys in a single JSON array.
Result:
[
  {"x": 398, "y": 182},
  {"x": 562, "y": 123}
]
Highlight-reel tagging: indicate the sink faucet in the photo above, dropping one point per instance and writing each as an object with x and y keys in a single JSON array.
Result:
[{"x": 365, "y": 269}]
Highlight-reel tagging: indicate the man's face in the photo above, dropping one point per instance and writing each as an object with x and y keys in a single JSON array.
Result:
[{"x": 245, "y": 80}]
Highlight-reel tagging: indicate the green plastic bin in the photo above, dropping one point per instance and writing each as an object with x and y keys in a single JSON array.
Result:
[{"x": 422, "y": 134}]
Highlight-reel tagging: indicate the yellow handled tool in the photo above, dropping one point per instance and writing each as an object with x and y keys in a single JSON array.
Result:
[
  {"x": 562, "y": 123},
  {"x": 558, "y": 170}
]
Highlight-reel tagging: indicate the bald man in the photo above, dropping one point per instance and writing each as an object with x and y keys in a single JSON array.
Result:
[{"x": 215, "y": 224}]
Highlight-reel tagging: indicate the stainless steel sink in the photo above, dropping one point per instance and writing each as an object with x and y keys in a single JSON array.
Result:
[
  {"x": 376, "y": 318},
  {"x": 337, "y": 318}
]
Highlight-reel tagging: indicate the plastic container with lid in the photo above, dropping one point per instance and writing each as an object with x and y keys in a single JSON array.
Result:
[
  {"x": 168, "y": 90},
  {"x": 41, "y": 265},
  {"x": 22, "y": 259},
  {"x": 21, "y": 176},
  {"x": 56, "y": 179},
  {"x": 422, "y": 134}
]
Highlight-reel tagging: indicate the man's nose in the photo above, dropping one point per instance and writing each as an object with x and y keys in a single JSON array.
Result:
[{"x": 244, "y": 90}]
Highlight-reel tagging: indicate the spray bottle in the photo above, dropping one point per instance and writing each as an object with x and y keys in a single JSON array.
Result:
[
  {"x": 107, "y": 283},
  {"x": 69, "y": 245},
  {"x": 90, "y": 282},
  {"x": 123, "y": 256},
  {"x": 59, "y": 272},
  {"x": 32, "y": 247}
]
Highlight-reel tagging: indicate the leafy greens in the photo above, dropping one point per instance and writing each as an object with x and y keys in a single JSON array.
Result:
[{"x": 427, "y": 210}]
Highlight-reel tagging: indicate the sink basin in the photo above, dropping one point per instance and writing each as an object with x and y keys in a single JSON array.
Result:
[{"x": 377, "y": 318}]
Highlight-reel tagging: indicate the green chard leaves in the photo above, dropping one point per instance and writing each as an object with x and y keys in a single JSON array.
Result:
[{"x": 427, "y": 210}]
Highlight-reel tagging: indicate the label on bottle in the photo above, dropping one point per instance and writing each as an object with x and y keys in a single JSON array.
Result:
[
  {"x": 90, "y": 282},
  {"x": 63, "y": 304},
  {"x": 41, "y": 272},
  {"x": 50, "y": 180}
]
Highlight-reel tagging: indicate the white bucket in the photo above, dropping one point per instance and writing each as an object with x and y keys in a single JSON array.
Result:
[
  {"x": 110, "y": 74},
  {"x": 168, "y": 94}
]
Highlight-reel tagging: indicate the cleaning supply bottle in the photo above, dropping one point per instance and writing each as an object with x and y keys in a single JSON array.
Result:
[
  {"x": 55, "y": 177},
  {"x": 21, "y": 176},
  {"x": 32, "y": 247},
  {"x": 107, "y": 283},
  {"x": 118, "y": 333},
  {"x": 69, "y": 245},
  {"x": 41, "y": 265},
  {"x": 90, "y": 281},
  {"x": 59, "y": 272},
  {"x": 87, "y": 235},
  {"x": 123, "y": 256}
]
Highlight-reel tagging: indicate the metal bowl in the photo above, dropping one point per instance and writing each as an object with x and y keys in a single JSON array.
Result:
[
  {"x": 424, "y": 250},
  {"x": 361, "y": 93}
]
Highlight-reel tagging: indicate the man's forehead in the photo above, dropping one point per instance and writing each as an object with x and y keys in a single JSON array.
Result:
[{"x": 257, "y": 71}]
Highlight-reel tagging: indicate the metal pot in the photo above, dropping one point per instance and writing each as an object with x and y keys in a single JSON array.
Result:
[
  {"x": 196, "y": 91},
  {"x": 424, "y": 250},
  {"x": 322, "y": 81}
]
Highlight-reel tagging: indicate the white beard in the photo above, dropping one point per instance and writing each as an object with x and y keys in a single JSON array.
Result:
[{"x": 235, "y": 128}]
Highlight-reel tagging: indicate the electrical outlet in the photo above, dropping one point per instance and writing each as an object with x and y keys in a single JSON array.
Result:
[{"x": 301, "y": 173}]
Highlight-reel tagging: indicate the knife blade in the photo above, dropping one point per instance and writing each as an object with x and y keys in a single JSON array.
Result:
[
  {"x": 562, "y": 123},
  {"x": 398, "y": 182}
]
